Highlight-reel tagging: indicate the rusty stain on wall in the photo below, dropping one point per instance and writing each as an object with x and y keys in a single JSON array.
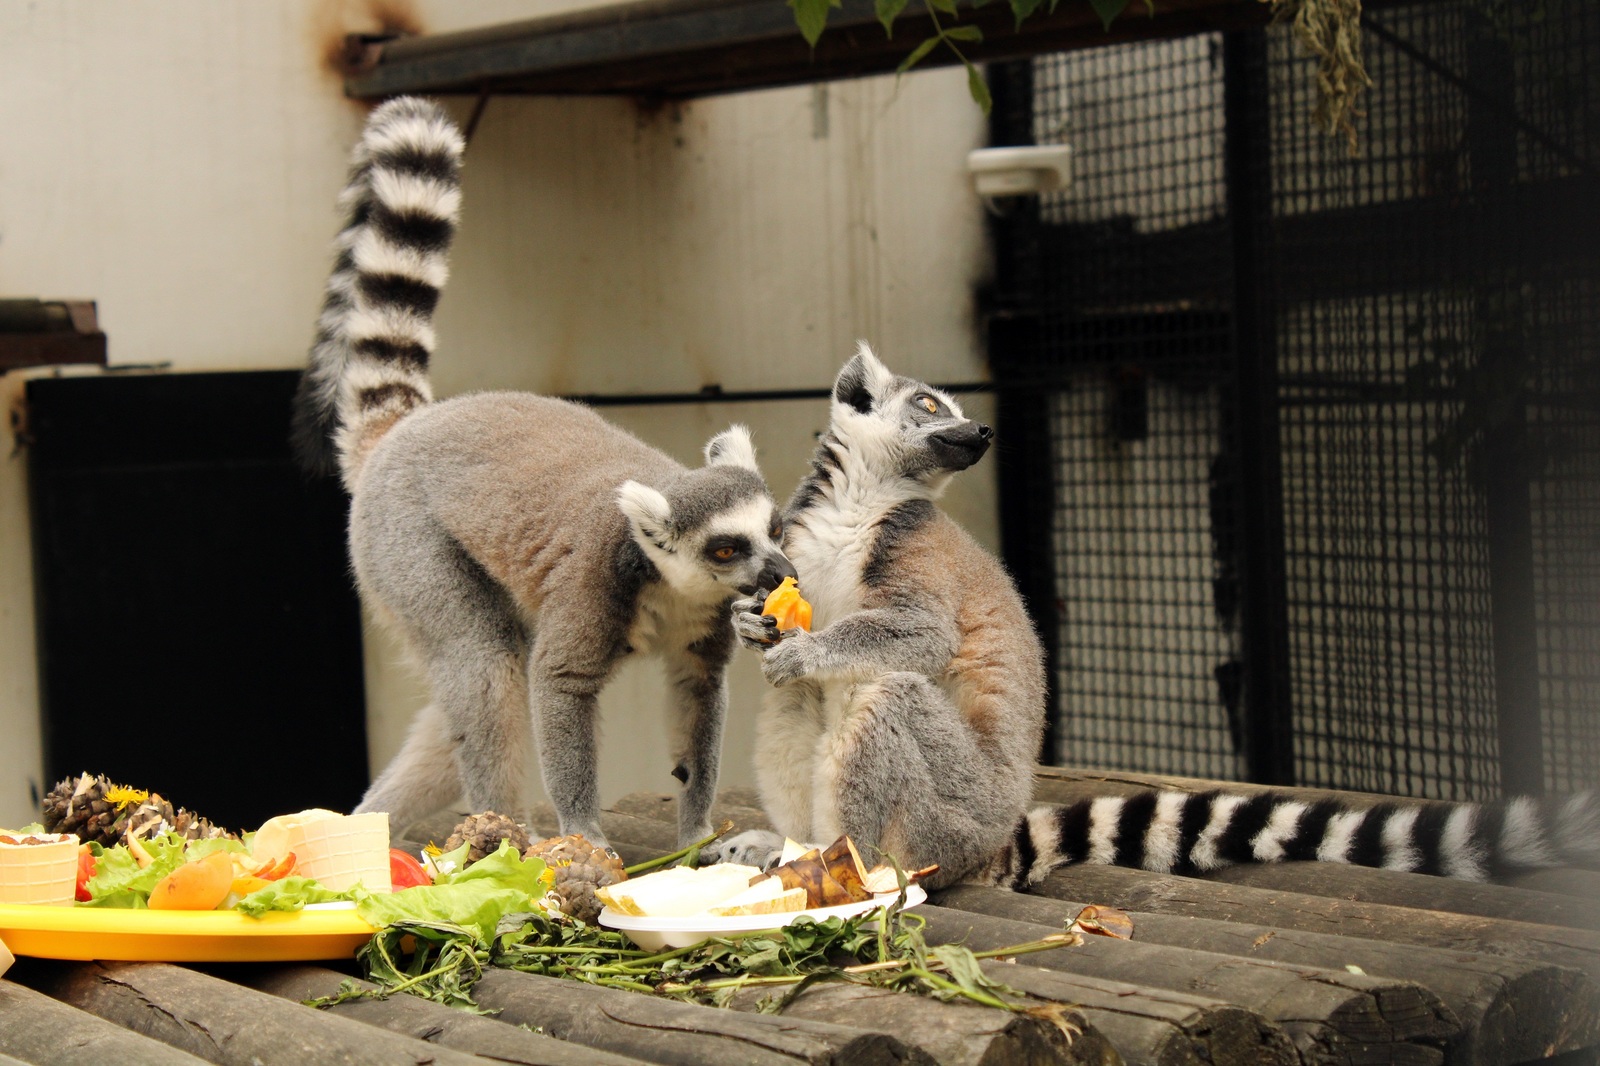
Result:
[{"x": 332, "y": 25}]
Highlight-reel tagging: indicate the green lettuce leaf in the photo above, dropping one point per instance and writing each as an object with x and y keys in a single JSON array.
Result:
[
  {"x": 474, "y": 899},
  {"x": 120, "y": 882},
  {"x": 289, "y": 894}
]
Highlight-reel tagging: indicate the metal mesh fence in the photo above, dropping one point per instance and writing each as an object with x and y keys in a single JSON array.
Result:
[{"x": 1429, "y": 317}]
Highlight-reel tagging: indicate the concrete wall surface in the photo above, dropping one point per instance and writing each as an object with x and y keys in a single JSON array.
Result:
[{"x": 177, "y": 161}]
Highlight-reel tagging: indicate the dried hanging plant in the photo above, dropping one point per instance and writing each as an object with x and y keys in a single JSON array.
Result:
[{"x": 1331, "y": 31}]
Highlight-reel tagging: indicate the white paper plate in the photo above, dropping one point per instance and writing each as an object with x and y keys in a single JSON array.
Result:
[{"x": 655, "y": 934}]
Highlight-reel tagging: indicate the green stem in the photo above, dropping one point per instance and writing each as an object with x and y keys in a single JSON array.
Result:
[
  {"x": 421, "y": 977},
  {"x": 554, "y": 949},
  {"x": 631, "y": 986},
  {"x": 950, "y": 986},
  {"x": 651, "y": 864}
]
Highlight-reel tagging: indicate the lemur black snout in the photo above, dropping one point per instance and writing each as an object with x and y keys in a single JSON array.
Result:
[
  {"x": 774, "y": 570},
  {"x": 985, "y": 432}
]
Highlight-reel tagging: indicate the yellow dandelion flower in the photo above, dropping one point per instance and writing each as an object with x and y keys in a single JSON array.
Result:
[
  {"x": 433, "y": 850},
  {"x": 123, "y": 796}
]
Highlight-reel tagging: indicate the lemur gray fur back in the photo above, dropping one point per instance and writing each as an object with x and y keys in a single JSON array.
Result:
[
  {"x": 520, "y": 546},
  {"x": 911, "y": 716}
]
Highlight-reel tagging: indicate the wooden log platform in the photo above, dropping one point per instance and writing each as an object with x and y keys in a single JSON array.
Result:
[
  {"x": 222, "y": 1022},
  {"x": 953, "y": 1033},
  {"x": 448, "y": 1027},
  {"x": 44, "y": 1032},
  {"x": 682, "y": 1034},
  {"x": 1293, "y": 965},
  {"x": 1504, "y": 1005},
  {"x": 1141, "y": 891}
]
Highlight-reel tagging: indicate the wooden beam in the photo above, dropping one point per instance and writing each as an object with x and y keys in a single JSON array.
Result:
[
  {"x": 49, "y": 332},
  {"x": 687, "y": 48}
]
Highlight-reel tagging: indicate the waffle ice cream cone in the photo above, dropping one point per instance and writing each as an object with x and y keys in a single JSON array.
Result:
[
  {"x": 39, "y": 873},
  {"x": 338, "y": 850}
]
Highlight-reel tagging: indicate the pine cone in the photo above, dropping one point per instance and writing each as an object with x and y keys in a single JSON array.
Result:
[
  {"x": 97, "y": 810},
  {"x": 485, "y": 832},
  {"x": 580, "y": 867}
]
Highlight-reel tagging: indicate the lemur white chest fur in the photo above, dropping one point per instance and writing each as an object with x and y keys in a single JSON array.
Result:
[
  {"x": 829, "y": 549},
  {"x": 668, "y": 615}
]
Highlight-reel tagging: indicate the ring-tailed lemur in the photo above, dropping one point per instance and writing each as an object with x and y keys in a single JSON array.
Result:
[
  {"x": 911, "y": 716},
  {"x": 521, "y": 546}
]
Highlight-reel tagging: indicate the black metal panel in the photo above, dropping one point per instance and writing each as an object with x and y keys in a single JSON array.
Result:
[
  {"x": 198, "y": 629},
  {"x": 1351, "y": 404}
]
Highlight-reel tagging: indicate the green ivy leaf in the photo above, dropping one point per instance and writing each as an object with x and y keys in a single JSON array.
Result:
[
  {"x": 1023, "y": 8},
  {"x": 947, "y": 6},
  {"x": 978, "y": 88},
  {"x": 812, "y": 17},
  {"x": 917, "y": 55},
  {"x": 963, "y": 33},
  {"x": 888, "y": 11},
  {"x": 1108, "y": 10}
]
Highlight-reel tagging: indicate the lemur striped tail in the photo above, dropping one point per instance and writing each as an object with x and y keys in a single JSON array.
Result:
[
  {"x": 1189, "y": 833},
  {"x": 369, "y": 362}
]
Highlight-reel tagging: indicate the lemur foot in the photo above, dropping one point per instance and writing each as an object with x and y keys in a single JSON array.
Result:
[
  {"x": 754, "y": 629},
  {"x": 760, "y": 848}
]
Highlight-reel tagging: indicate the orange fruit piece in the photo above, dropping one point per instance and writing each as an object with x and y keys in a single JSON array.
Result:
[
  {"x": 195, "y": 886},
  {"x": 786, "y": 605}
]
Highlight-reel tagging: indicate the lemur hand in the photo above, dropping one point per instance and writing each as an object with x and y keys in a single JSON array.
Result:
[
  {"x": 754, "y": 629},
  {"x": 797, "y": 656},
  {"x": 760, "y": 848}
]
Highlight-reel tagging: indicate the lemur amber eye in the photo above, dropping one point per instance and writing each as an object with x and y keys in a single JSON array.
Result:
[
  {"x": 928, "y": 404},
  {"x": 724, "y": 553}
]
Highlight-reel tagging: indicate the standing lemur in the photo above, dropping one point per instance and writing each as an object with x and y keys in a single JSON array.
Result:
[
  {"x": 910, "y": 717},
  {"x": 521, "y": 546}
]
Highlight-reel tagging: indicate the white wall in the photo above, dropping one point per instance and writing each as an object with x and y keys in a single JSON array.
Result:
[{"x": 177, "y": 161}]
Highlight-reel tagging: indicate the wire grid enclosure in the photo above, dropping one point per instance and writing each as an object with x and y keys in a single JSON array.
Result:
[{"x": 1324, "y": 430}]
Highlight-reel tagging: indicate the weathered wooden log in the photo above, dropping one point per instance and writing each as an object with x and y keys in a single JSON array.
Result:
[
  {"x": 1140, "y": 890},
  {"x": 1564, "y": 880},
  {"x": 686, "y": 1034},
  {"x": 421, "y": 1019},
  {"x": 44, "y": 1032},
  {"x": 1331, "y": 1016},
  {"x": 953, "y": 1034},
  {"x": 1419, "y": 891},
  {"x": 1156, "y": 1026},
  {"x": 663, "y": 807},
  {"x": 1511, "y": 1010},
  {"x": 225, "y": 1023}
]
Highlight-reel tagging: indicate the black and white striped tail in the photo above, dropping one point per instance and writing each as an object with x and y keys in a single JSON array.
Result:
[
  {"x": 369, "y": 362},
  {"x": 1182, "y": 832}
]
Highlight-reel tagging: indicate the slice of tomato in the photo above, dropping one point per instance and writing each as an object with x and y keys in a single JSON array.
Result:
[
  {"x": 405, "y": 871},
  {"x": 276, "y": 871},
  {"x": 86, "y": 867}
]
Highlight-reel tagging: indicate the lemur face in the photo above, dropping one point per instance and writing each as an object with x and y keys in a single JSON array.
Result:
[
  {"x": 914, "y": 429},
  {"x": 741, "y": 547},
  {"x": 717, "y": 528}
]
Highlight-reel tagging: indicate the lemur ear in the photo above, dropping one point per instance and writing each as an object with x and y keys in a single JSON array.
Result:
[
  {"x": 863, "y": 381},
  {"x": 732, "y": 447},
  {"x": 648, "y": 512}
]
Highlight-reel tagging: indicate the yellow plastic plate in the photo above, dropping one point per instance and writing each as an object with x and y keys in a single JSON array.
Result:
[{"x": 180, "y": 936}]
